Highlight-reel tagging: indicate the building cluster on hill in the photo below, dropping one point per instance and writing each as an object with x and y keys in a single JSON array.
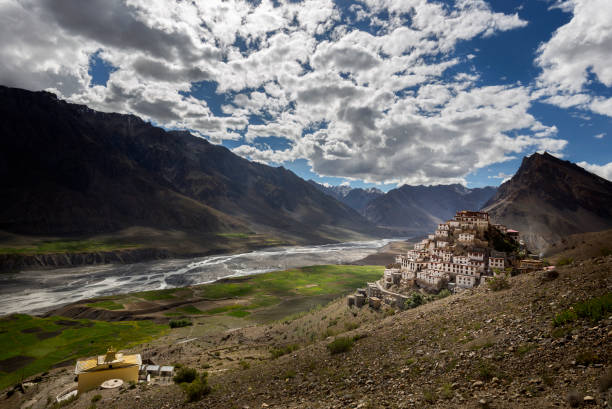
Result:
[{"x": 460, "y": 254}]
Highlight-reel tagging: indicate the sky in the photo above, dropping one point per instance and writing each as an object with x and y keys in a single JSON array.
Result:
[{"x": 367, "y": 93}]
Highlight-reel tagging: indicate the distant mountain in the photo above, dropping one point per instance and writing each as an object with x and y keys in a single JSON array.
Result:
[
  {"x": 357, "y": 198},
  {"x": 421, "y": 208},
  {"x": 549, "y": 198},
  {"x": 68, "y": 170}
]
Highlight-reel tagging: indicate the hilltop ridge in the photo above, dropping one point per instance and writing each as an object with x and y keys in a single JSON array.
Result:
[{"x": 549, "y": 198}]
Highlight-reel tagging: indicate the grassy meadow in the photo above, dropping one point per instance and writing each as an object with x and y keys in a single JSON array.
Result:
[{"x": 32, "y": 345}]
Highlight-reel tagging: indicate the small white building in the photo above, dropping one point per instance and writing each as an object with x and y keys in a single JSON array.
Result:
[
  {"x": 466, "y": 237},
  {"x": 461, "y": 260},
  {"x": 476, "y": 255},
  {"x": 465, "y": 281},
  {"x": 441, "y": 233},
  {"x": 497, "y": 263}
]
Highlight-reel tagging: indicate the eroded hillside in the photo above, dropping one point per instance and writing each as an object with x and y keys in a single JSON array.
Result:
[{"x": 475, "y": 349}]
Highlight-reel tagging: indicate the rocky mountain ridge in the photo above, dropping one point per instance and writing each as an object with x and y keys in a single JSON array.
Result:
[
  {"x": 549, "y": 198},
  {"x": 68, "y": 170}
]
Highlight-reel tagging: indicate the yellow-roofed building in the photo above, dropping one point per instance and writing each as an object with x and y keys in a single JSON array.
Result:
[{"x": 93, "y": 371}]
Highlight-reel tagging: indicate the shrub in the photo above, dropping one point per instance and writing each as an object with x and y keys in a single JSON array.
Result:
[
  {"x": 486, "y": 371},
  {"x": 195, "y": 386},
  {"x": 180, "y": 323},
  {"x": 349, "y": 326},
  {"x": 278, "y": 352},
  {"x": 244, "y": 364},
  {"x": 499, "y": 282},
  {"x": 414, "y": 301},
  {"x": 565, "y": 261},
  {"x": 430, "y": 396},
  {"x": 443, "y": 293},
  {"x": 593, "y": 309},
  {"x": 587, "y": 358},
  {"x": 339, "y": 345},
  {"x": 447, "y": 391},
  {"x": 357, "y": 337},
  {"x": 185, "y": 375},
  {"x": 197, "y": 389}
]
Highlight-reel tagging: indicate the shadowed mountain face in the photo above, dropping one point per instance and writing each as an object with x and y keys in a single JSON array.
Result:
[
  {"x": 421, "y": 208},
  {"x": 68, "y": 170},
  {"x": 549, "y": 198}
]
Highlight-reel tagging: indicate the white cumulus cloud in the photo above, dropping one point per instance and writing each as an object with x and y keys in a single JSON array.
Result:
[
  {"x": 579, "y": 53},
  {"x": 605, "y": 171},
  {"x": 378, "y": 105}
]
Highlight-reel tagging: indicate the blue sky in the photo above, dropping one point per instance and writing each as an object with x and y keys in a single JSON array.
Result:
[{"x": 371, "y": 93}]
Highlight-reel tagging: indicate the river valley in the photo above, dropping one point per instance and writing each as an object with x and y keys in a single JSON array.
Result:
[{"x": 43, "y": 290}]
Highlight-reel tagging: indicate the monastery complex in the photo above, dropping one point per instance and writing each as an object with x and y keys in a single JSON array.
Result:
[{"x": 460, "y": 254}]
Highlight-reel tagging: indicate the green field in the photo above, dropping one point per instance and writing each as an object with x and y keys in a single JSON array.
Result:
[
  {"x": 106, "y": 305},
  {"x": 31, "y": 345},
  {"x": 68, "y": 246},
  {"x": 270, "y": 289}
]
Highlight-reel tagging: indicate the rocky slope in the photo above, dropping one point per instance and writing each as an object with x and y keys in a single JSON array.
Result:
[
  {"x": 549, "y": 198},
  {"x": 69, "y": 170},
  {"x": 421, "y": 208},
  {"x": 478, "y": 349}
]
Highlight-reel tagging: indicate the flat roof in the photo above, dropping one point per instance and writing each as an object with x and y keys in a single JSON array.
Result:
[{"x": 97, "y": 363}]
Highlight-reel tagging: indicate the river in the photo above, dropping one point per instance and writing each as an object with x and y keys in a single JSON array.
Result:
[{"x": 42, "y": 290}]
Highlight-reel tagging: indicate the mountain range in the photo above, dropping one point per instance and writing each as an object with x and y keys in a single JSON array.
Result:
[
  {"x": 416, "y": 209},
  {"x": 68, "y": 170},
  {"x": 549, "y": 198},
  {"x": 357, "y": 198},
  {"x": 421, "y": 208}
]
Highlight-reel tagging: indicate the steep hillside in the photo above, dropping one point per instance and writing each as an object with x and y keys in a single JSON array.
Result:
[
  {"x": 579, "y": 247},
  {"x": 476, "y": 349},
  {"x": 549, "y": 198},
  {"x": 69, "y": 170},
  {"x": 420, "y": 208}
]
